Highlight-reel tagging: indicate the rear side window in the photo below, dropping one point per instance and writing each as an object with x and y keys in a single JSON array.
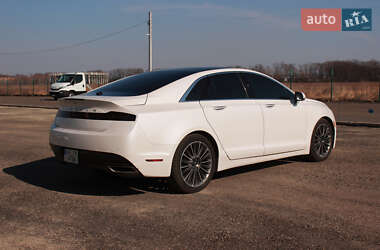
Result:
[
  {"x": 261, "y": 87},
  {"x": 224, "y": 86},
  {"x": 196, "y": 92}
]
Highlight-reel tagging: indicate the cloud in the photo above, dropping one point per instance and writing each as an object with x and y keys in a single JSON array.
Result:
[{"x": 216, "y": 10}]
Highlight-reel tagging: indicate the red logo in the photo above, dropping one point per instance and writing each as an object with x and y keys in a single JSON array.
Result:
[{"x": 321, "y": 19}]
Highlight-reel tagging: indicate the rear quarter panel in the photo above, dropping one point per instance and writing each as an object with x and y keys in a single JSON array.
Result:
[{"x": 169, "y": 124}]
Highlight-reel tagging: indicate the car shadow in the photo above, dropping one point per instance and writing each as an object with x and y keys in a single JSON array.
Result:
[{"x": 52, "y": 175}]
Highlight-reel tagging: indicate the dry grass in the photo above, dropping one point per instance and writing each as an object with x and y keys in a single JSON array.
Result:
[
  {"x": 342, "y": 91},
  {"x": 24, "y": 88}
]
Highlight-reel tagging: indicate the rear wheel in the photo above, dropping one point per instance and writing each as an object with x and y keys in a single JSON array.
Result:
[
  {"x": 71, "y": 93},
  {"x": 194, "y": 164},
  {"x": 322, "y": 141}
]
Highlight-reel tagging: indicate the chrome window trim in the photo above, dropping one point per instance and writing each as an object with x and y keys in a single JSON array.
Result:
[{"x": 183, "y": 98}]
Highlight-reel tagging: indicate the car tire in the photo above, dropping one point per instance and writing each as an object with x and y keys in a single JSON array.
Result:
[
  {"x": 71, "y": 93},
  {"x": 194, "y": 164},
  {"x": 322, "y": 141}
]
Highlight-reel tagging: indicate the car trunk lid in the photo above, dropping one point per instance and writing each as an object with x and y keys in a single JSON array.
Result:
[
  {"x": 93, "y": 103},
  {"x": 95, "y": 113}
]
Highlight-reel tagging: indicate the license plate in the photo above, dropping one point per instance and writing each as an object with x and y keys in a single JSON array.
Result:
[{"x": 70, "y": 156}]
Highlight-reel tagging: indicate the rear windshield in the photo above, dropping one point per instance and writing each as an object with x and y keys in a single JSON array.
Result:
[{"x": 144, "y": 83}]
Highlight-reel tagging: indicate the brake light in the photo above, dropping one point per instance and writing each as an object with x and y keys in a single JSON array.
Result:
[{"x": 110, "y": 116}]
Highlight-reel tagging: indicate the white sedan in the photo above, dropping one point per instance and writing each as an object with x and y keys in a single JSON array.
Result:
[{"x": 189, "y": 123}]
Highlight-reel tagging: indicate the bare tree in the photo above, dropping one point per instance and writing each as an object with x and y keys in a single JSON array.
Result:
[{"x": 119, "y": 73}]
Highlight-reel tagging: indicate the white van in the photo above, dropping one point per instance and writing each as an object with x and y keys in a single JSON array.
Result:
[{"x": 69, "y": 84}]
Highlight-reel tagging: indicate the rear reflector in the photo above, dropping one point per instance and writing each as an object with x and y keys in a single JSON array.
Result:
[
  {"x": 111, "y": 116},
  {"x": 153, "y": 160}
]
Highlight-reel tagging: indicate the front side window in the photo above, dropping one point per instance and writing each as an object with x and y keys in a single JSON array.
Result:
[
  {"x": 261, "y": 87},
  {"x": 78, "y": 78},
  {"x": 224, "y": 86}
]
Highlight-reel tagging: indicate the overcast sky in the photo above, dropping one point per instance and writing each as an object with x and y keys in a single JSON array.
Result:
[{"x": 185, "y": 33}]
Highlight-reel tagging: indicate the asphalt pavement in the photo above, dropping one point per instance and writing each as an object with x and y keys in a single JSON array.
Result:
[{"x": 280, "y": 204}]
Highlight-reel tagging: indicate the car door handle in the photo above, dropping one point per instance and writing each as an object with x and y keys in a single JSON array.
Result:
[
  {"x": 269, "y": 105},
  {"x": 221, "y": 107}
]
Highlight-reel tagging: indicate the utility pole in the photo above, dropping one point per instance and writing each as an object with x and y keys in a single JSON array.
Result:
[
  {"x": 331, "y": 84},
  {"x": 150, "y": 40}
]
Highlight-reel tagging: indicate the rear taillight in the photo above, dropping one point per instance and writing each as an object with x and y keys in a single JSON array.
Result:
[{"x": 109, "y": 116}]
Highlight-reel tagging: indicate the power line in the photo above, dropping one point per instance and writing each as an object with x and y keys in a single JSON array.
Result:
[
  {"x": 150, "y": 66},
  {"x": 28, "y": 52}
]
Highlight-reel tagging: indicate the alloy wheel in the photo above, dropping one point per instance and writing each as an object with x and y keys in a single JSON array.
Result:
[
  {"x": 196, "y": 164},
  {"x": 322, "y": 140}
]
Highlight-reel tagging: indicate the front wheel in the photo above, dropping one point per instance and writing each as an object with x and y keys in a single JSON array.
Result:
[
  {"x": 194, "y": 164},
  {"x": 322, "y": 141}
]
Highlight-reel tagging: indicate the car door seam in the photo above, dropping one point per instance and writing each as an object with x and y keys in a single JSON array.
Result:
[{"x": 208, "y": 122}]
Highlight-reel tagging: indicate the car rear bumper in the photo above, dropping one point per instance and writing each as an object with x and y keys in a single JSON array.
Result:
[
  {"x": 108, "y": 162},
  {"x": 112, "y": 146}
]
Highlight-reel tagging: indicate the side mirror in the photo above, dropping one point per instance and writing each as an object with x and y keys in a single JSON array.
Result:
[{"x": 299, "y": 96}]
